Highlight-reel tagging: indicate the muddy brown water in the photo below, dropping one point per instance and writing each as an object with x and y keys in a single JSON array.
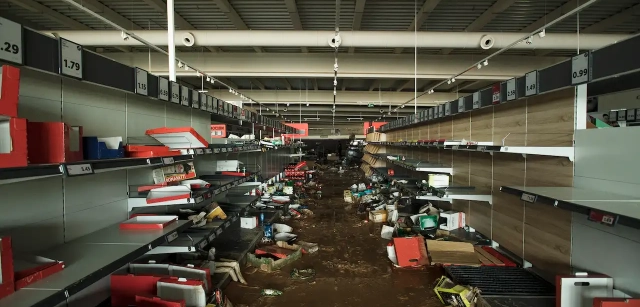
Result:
[{"x": 351, "y": 265}]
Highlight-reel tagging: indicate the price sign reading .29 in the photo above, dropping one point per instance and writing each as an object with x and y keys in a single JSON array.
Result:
[
  {"x": 70, "y": 59},
  {"x": 10, "y": 41}
]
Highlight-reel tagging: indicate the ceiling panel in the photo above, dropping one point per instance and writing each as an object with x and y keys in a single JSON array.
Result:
[{"x": 455, "y": 15}]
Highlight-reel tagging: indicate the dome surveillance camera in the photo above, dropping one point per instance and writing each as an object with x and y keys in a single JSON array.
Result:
[
  {"x": 381, "y": 111},
  {"x": 124, "y": 36}
]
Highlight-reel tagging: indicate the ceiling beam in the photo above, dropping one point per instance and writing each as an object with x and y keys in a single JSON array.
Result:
[
  {"x": 420, "y": 18},
  {"x": 405, "y": 84},
  {"x": 109, "y": 14},
  {"x": 357, "y": 19},
  {"x": 286, "y": 83},
  {"x": 257, "y": 83},
  {"x": 182, "y": 23},
  {"x": 374, "y": 85},
  {"x": 614, "y": 20},
  {"x": 488, "y": 15},
  {"x": 39, "y": 8},
  {"x": 233, "y": 16},
  {"x": 227, "y": 82},
  {"x": 344, "y": 84},
  {"x": 292, "y": 8},
  {"x": 22, "y": 21},
  {"x": 555, "y": 14},
  {"x": 315, "y": 84}
]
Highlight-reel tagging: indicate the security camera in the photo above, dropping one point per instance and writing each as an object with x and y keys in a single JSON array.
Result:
[
  {"x": 529, "y": 40},
  {"x": 381, "y": 111}
]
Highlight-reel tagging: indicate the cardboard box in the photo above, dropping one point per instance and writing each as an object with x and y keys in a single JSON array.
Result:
[
  {"x": 13, "y": 142},
  {"x": 54, "y": 142},
  {"x": 249, "y": 222},
  {"x": 455, "y": 295},
  {"x": 455, "y": 220},
  {"x": 9, "y": 91},
  {"x": 378, "y": 216}
]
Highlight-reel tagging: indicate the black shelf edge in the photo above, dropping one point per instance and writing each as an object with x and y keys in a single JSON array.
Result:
[
  {"x": 569, "y": 206},
  {"x": 35, "y": 171}
]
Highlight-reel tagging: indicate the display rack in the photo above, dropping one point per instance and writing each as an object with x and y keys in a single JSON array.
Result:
[
  {"x": 89, "y": 259},
  {"x": 603, "y": 207}
]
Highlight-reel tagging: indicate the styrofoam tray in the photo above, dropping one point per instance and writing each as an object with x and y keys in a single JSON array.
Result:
[{"x": 148, "y": 222}]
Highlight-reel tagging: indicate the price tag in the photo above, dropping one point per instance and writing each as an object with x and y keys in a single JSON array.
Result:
[
  {"x": 531, "y": 83},
  {"x": 528, "y": 198},
  {"x": 203, "y": 101},
  {"x": 440, "y": 111},
  {"x": 476, "y": 100},
  {"x": 580, "y": 69},
  {"x": 447, "y": 108},
  {"x": 234, "y": 218},
  {"x": 70, "y": 59},
  {"x": 212, "y": 236},
  {"x": 168, "y": 160},
  {"x": 10, "y": 41},
  {"x": 184, "y": 95},
  {"x": 495, "y": 98},
  {"x": 511, "y": 89},
  {"x": 203, "y": 244},
  {"x": 163, "y": 89},
  {"x": 79, "y": 169},
  {"x": 218, "y": 231},
  {"x": 199, "y": 151},
  {"x": 195, "y": 99},
  {"x": 482, "y": 148},
  {"x": 175, "y": 92},
  {"x": 141, "y": 81},
  {"x": 172, "y": 236},
  {"x": 603, "y": 218}
]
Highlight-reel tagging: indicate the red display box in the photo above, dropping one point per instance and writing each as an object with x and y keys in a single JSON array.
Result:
[
  {"x": 54, "y": 142},
  {"x": 145, "y": 301},
  {"x": 615, "y": 302},
  {"x": 13, "y": 142},
  {"x": 146, "y": 151},
  {"x": 9, "y": 91},
  {"x": 39, "y": 268},
  {"x": 6, "y": 264},
  {"x": 125, "y": 288}
]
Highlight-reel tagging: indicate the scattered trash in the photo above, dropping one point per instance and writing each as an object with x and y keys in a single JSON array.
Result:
[
  {"x": 286, "y": 237},
  {"x": 454, "y": 295},
  {"x": 303, "y": 273},
  {"x": 387, "y": 232},
  {"x": 270, "y": 292},
  {"x": 306, "y": 247},
  {"x": 268, "y": 264}
]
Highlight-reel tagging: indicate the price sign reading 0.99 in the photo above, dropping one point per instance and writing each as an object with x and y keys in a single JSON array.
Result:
[
  {"x": 163, "y": 89},
  {"x": 580, "y": 69},
  {"x": 10, "y": 41},
  {"x": 175, "y": 92},
  {"x": 141, "y": 81},
  {"x": 70, "y": 59}
]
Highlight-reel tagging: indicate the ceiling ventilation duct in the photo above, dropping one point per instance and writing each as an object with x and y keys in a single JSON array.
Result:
[
  {"x": 486, "y": 42},
  {"x": 188, "y": 39}
]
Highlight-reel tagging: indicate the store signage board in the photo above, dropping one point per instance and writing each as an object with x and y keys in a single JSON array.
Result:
[
  {"x": 461, "y": 105},
  {"x": 141, "y": 81},
  {"x": 11, "y": 41},
  {"x": 447, "y": 109},
  {"x": 531, "y": 83},
  {"x": 70, "y": 59},
  {"x": 195, "y": 99},
  {"x": 495, "y": 98},
  {"x": 580, "y": 69},
  {"x": 79, "y": 169},
  {"x": 175, "y": 92},
  {"x": 511, "y": 89},
  {"x": 203, "y": 101},
  {"x": 622, "y": 115},
  {"x": 163, "y": 89},
  {"x": 184, "y": 95},
  {"x": 476, "y": 100}
]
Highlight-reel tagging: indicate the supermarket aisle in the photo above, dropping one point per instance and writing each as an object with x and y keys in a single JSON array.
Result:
[{"x": 351, "y": 265}]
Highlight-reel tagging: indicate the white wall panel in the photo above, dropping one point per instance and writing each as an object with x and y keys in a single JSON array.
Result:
[
  {"x": 40, "y": 96},
  {"x": 86, "y": 192},
  {"x": 179, "y": 113},
  {"x": 88, "y": 94},
  {"x": 83, "y": 222},
  {"x": 36, "y": 236},
  {"x": 137, "y": 123},
  {"x": 29, "y": 202},
  {"x": 95, "y": 121}
]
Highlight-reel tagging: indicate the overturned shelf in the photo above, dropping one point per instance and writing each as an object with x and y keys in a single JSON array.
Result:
[
  {"x": 605, "y": 207},
  {"x": 88, "y": 259}
]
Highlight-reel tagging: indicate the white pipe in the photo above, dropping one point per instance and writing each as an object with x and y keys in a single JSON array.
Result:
[
  {"x": 370, "y": 39},
  {"x": 170, "y": 38}
]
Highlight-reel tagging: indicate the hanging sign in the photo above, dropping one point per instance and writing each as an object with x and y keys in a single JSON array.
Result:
[
  {"x": 175, "y": 92},
  {"x": 184, "y": 95},
  {"x": 11, "y": 41},
  {"x": 203, "y": 101},
  {"x": 163, "y": 89},
  {"x": 580, "y": 69},
  {"x": 195, "y": 99},
  {"x": 141, "y": 81},
  {"x": 461, "y": 105},
  {"x": 476, "y": 100},
  {"x": 531, "y": 83},
  {"x": 495, "y": 98},
  {"x": 447, "y": 109},
  {"x": 511, "y": 89},
  {"x": 70, "y": 59}
]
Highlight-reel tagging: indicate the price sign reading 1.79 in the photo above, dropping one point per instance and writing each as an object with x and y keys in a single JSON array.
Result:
[{"x": 70, "y": 59}]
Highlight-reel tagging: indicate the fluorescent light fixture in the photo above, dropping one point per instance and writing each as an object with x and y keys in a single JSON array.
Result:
[
  {"x": 203, "y": 91},
  {"x": 312, "y": 118}
]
